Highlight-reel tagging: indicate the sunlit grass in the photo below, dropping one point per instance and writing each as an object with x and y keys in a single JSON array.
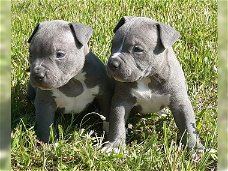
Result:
[{"x": 152, "y": 141}]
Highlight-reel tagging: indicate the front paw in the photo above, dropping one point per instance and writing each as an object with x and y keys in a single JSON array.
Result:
[
  {"x": 199, "y": 153},
  {"x": 117, "y": 148}
]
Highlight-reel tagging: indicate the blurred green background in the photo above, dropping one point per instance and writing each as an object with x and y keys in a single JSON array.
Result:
[{"x": 5, "y": 75}]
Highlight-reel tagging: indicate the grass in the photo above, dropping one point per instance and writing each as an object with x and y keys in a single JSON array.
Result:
[{"x": 152, "y": 140}]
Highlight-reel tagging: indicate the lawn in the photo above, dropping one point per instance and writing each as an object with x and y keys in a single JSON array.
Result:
[{"x": 152, "y": 140}]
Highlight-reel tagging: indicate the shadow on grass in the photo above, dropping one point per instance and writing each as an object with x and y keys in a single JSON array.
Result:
[
  {"x": 143, "y": 125},
  {"x": 22, "y": 109},
  {"x": 87, "y": 120}
]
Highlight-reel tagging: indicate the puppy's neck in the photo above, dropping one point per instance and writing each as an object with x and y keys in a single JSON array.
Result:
[{"x": 164, "y": 71}]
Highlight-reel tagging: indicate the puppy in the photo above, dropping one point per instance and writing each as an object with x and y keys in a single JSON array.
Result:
[
  {"x": 148, "y": 77},
  {"x": 64, "y": 73}
]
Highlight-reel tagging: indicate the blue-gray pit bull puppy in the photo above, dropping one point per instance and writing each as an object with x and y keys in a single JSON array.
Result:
[
  {"x": 148, "y": 77},
  {"x": 64, "y": 74}
]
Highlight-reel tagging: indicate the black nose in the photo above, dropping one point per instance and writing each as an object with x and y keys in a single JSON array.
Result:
[
  {"x": 39, "y": 76},
  {"x": 114, "y": 64},
  {"x": 39, "y": 73}
]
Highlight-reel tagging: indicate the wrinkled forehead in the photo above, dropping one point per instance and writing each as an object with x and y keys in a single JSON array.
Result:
[
  {"x": 139, "y": 29},
  {"x": 54, "y": 35},
  {"x": 54, "y": 32}
]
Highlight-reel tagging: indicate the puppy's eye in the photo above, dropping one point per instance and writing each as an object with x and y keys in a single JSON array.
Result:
[
  {"x": 60, "y": 55},
  {"x": 137, "y": 49}
]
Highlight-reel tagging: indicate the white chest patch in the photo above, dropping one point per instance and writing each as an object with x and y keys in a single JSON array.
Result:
[
  {"x": 76, "y": 104},
  {"x": 149, "y": 101}
]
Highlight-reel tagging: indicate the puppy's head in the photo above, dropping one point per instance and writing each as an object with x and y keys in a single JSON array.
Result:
[
  {"x": 137, "y": 48},
  {"x": 57, "y": 52}
]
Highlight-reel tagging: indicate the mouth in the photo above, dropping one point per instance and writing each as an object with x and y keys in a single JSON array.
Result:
[
  {"x": 43, "y": 80},
  {"x": 125, "y": 69},
  {"x": 124, "y": 76},
  {"x": 40, "y": 84},
  {"x": 49, "y": 81}
]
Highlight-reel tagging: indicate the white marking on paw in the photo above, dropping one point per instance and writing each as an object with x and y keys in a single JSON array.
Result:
[{"x": 110, "y": 149}]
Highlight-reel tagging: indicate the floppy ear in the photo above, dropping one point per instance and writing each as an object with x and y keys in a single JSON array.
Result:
[
  {"x": 168, "y": 35},
  {"x": 122, "y": 21},
  {"x": 81, "y": 32},
  {"x": 33, "y": 33}
]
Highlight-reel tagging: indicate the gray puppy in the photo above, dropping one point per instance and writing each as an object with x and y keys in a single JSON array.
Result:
[
  {"x": 64, "y": 74},
  {"x": 148, "y": 78}
]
